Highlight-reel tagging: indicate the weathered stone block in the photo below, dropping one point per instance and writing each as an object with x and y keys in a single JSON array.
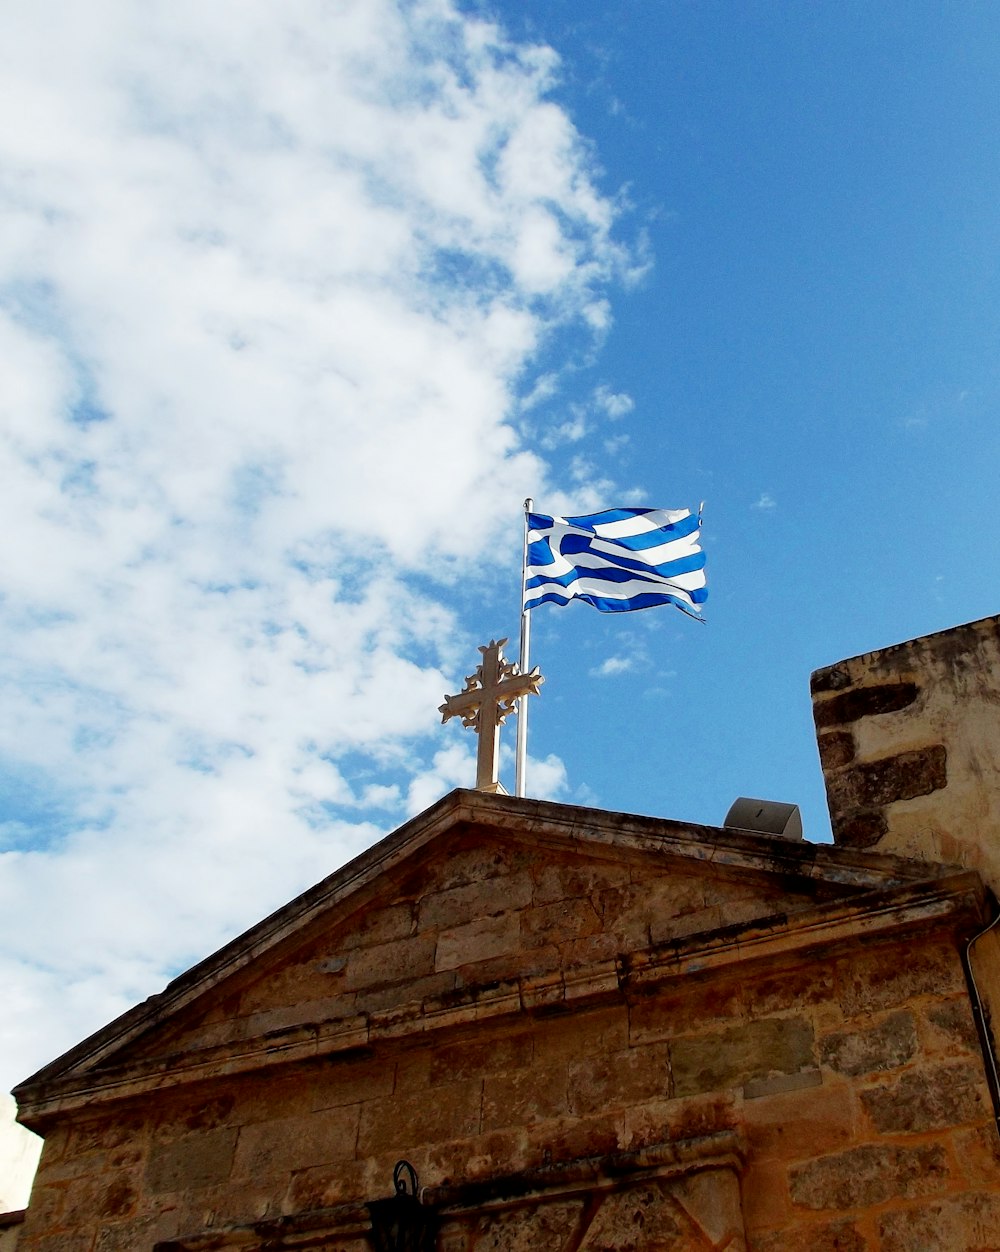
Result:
[
  {"x": 711, "y": 1201},
  {"x": 525, "y": 1096},
  {"x": 486, "y": 1156},
  {"x": 99, "y": 1135},
  {"x": 849, "y": 706},
  {"x": 337, "y": 1084},
  {"x": 891, "y": 976},
  {"x": 766, "y": 1202},
  {"x": 868, "y": 1175},
  {"x": 402, "y": 960},
  {"x": 584, "y": 1034},
  {"x": 475, "y": 900},
  {"x": 403, "y": 1121},
  {"x": 794, "y": 987},
  {"x": 831, "y": 678},
  {"x": 527, "y": 1229},
  {"x": 116, "y": 1196},
  {"x": 374, "y": 926},
  {"x": 781, "y": 1084},
  {"x": 276, "y": 1148},
  {"x": 301, "y": 1012},
  {"x": 929, "y": 1098},
  {"x": 611, "y": 1080},
  {"x": 477, "y": 1057},
  {"x": 197, "y": 1160},
  {"x": 127, "y": 1236},
  {"x": 626, "y": 910},
  {"x": 665, "y": 1121},
  {"x": 571, "y": 879},
  {"x": 325, "y": 1185},
  {"x": 978, "y": 1150},
  {"x": 970, "y": 1223},
  {"x": 642, "y": 1218},
  {"x": 478, "y": 941},
  {"x": 49, "y": 1201},
  {"x": 590, "y": 950},
  {"x": 571, "y": 1137},
  {"x": 837, "y": 1236},
  {"x": 731, "y": 1057},
  {"x": 798, "y": 1124},
  {"x": 861, "y": 830},
  {"x": 887, "y": 1045},
  {"x": 951, "y": 1027},
  {"x": 699, "y": 1004},
  {"x": 471, "y": 860},
  {"x": 80, "y": 1241},
  {"x": 559, "y": 922},
  {"x": 835, "y": 749},
  {"x": 872, "y": 784},
  {"x": 712, "y": 917},
  {"x": 389, "y": 996}
]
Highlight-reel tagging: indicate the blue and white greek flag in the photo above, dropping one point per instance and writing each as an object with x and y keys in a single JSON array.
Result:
[{"x": 617, "y": 560}]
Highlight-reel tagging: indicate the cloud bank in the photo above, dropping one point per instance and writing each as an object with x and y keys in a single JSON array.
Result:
[{"x": 272, "y": 283}]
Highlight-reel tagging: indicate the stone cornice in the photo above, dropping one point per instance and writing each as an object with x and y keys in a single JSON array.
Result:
[
  {"x": 543, "y": 824},
  {"x": 956, "y": 901}
]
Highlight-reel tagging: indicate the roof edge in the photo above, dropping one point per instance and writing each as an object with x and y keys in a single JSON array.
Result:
[
  {"x": 957, "y": 902},
  {"x": 546, "y": 820}
]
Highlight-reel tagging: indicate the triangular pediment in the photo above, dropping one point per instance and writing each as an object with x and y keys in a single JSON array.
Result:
[{"x": 501, "y": 903}]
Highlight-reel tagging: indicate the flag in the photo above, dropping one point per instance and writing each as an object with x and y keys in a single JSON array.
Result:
[{"x": 617, "y": 560}]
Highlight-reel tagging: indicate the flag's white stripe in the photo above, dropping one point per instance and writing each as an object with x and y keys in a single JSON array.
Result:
[
  {"x": 668, "y": 551},
  {"x": 623, "y": 528},
  {"x": 615, "y": 591},
  {"x": 691, "y": 579},
  {"x": 608, "y": 562},
  {"x": 596, "y": 561},
  {"x": 641, "y": 523}
]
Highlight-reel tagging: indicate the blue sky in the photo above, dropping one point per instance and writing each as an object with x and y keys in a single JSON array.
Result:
[
  {"x": 814, "y": 353},
  {"x": 296, "y": 308}
]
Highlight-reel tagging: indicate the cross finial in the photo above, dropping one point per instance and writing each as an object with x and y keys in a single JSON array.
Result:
[{"x": 488, "y": 696}]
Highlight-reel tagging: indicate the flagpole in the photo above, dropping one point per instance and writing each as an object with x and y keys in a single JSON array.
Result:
[{"x": 523, "y": 665}]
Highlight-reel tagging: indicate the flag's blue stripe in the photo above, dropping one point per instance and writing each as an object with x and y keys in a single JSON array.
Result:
[
  {"x": 573, "y": 545},
  {"x": 663, "y": 534},
  {"x": 592, "y": 565},
  {"x": 623, "y": 570},
  {"x": 540, "y": 554},
  {"x": 645, "y": 600},
  {"x": 644, "y": 539},
  {"x": 537, "y": 521}
]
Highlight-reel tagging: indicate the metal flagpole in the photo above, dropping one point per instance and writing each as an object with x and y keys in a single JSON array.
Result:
[{"x": 523, "y": 665}]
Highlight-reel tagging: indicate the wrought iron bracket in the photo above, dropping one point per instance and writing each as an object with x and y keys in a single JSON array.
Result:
[{"x": 401, "y": 1223}]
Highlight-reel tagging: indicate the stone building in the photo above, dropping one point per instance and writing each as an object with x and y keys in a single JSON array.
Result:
[{"x": 588, "y": 1030}]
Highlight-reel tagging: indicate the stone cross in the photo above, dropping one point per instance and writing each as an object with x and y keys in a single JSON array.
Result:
[{"x": 488, "y": 696}]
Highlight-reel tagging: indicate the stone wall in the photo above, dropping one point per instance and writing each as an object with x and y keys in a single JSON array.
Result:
[
  {"x": 909, "y": 740},
  {"x": 579, "y": 1047},
  {"x": 844, "y": 1099}
]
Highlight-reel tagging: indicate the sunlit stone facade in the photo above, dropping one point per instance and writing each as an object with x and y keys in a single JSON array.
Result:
[{"x": 585, "y": 1030}]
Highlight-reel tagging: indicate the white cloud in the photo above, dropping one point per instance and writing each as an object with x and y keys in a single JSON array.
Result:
[
  {"x": 572, "y": 430},
  {"x": 612, "y": 666},
  {"x": 546, "y": 778},
  {"x": 765, "y": 501},
  {"x": 19, "y": 1152},
  {"x": 270, "y": 279},
  {"x": 613, "y": 404},
  {"x": 616, "y": 444}
]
